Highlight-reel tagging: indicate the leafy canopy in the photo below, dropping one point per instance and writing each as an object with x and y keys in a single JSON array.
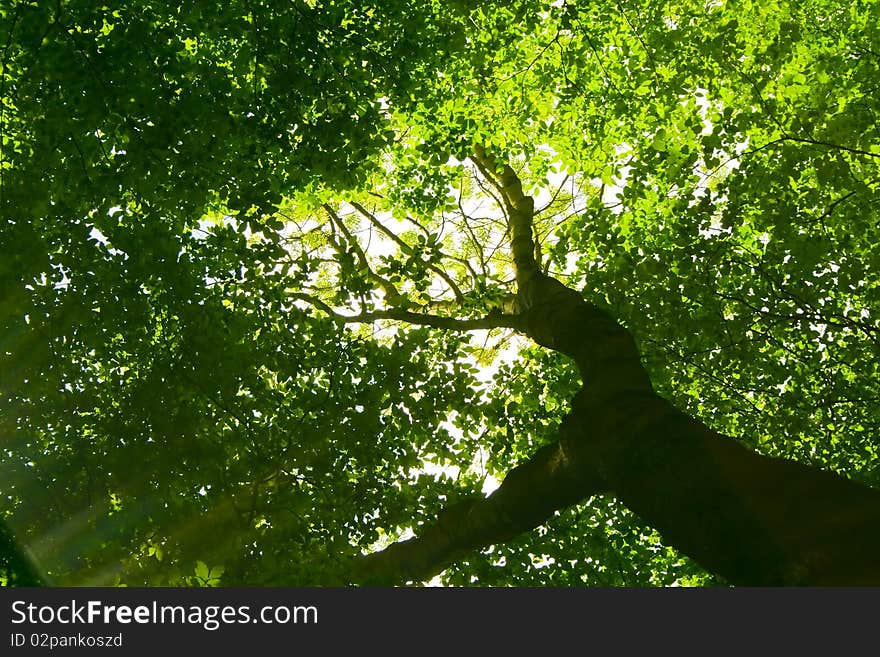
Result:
[{"x": 224, "y": 229}]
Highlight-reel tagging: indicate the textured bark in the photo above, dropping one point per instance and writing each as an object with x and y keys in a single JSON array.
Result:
[
  {"x": 528, "y": 496},
  {"x": 520, "y": 211},
  {"x": 751, "y": 519}
]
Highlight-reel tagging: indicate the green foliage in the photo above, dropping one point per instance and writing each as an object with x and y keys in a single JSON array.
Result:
[
  {"x": 173, "y": 390},
  {"x": 205, "y": 576}
]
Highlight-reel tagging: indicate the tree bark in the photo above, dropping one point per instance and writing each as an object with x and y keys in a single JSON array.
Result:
[{"x": 751, "y": 519}]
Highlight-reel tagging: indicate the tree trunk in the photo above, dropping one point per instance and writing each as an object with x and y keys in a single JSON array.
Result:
[{"x": 751, "y": 519}]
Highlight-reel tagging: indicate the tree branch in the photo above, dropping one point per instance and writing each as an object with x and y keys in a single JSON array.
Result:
[
  {"x": 490, "y": 321},
  {"x": 392, "y": 294},
  {"x": 520, "y": 211},
  {"x": 529, "y": 495},
  {"x": 407, "y": 249}
]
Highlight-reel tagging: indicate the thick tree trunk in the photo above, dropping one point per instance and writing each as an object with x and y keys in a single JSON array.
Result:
[{"x": 751, "y": 519}]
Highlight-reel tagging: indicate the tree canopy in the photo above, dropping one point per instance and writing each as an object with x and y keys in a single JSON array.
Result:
[{"x": 287, "y": 289}]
